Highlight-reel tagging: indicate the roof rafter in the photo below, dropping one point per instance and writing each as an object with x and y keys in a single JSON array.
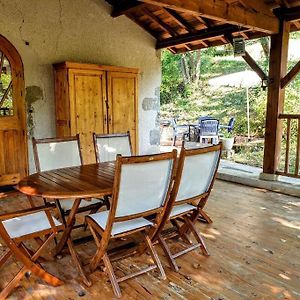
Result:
[
  {"x": 199, "y": 35},
  {"x": 220, "y": 10},
  {"x": 159, "y": 22},
  {"x": 179, "y": 20}
]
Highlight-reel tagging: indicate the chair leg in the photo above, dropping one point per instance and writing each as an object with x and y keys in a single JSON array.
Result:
[
  {"x": 204, "y": 217},
  {"x": 40, "y": 272},
  {"x": 100, "y": 251},
  {"x": 13, "y": 283},
  {"x": 182, "y": 235},
  {"x": 155, "y": 257},
  {"x": 29, "y": 265},
  {"x": 5, "y": 257},
  {"x": 111, "y": 275},
  {"x": 174, "y": 140},
  {"x": 197, "y": 236},
  {"x": 168, "y": 253}
]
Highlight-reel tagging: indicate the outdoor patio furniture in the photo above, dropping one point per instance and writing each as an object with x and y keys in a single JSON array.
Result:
[
  {"x": 193, "y": 183},
  {"x": 230, "y": 125},
  {"x": 182, "y": 131},
  {"x": 20, "y": 226},
  {"x": 107, "y": 146},
  {"x": 208, "y": 130},
  {"x": 141, "y": 187},
  {"x": 75, "y": 184},
  {"x": 54, "y": 153}
]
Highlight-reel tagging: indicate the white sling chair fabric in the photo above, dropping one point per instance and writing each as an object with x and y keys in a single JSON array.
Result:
[
  {"x": 109, "y": 147},
  {"x": 143, "y": 187},
  {"x": 27, "y": 224},
  {"x": 197, "y": 175},
  {"x": 57, "y": 155}
]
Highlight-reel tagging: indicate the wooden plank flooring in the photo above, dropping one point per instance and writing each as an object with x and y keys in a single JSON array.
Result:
[{"x": 254, "y": 244}]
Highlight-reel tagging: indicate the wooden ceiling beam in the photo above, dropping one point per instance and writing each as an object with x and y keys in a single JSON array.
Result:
[
  {"x": 141, "y": 24},
  {"x": 258, "y": 7},
  {"x": 179, "y": 19},
  {"x": 288, "y": 14},
  {"x": 222, "y": 11},
  {"x": 197, "y": 36},
  {"x": 159, "y": 22}
]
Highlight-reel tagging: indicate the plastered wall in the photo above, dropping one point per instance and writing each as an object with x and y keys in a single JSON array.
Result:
[{"x": 51, "y": 31}]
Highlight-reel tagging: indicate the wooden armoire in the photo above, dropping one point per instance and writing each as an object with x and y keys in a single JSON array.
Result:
[{"x": 94, "y": 98}]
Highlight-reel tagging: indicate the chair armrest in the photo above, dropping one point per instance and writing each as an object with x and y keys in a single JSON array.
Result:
[{"x": 28, "y": 211}]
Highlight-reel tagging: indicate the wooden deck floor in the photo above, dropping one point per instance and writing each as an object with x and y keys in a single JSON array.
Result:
[{"x": 254, "y": 244}]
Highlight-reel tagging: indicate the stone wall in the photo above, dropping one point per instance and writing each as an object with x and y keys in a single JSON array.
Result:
[{"x": 48, "y": 32}]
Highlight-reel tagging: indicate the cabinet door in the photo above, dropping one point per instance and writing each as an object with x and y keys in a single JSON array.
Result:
[
  {"x": 87, "y": 108},
  {"x": 122, "y": 104}
]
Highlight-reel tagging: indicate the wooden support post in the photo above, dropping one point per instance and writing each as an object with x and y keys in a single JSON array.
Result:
[{"x": 275, "y": 102}]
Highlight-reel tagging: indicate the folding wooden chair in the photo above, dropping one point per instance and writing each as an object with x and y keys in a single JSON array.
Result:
[
  {"x": 56, "y": 153},
  {"x": 193, "y": 183},
  {"x": 18, "y": 227},
  {"x": 141, "y": 186},
  {"x": 107, "y": 146}
]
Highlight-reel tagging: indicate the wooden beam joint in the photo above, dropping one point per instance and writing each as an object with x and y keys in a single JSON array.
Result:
[
  {"x": 290, "y": 75},
  {"x": 288, "y": 14}
]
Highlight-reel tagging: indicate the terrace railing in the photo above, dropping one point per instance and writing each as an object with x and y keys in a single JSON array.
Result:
[{"x": 290, "y": 145}]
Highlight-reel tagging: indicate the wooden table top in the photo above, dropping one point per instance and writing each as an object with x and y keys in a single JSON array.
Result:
[{"x": 95, "y": 180}]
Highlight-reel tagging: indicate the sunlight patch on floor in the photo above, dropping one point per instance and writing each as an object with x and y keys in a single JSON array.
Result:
[{"x": 290, "y": 224}]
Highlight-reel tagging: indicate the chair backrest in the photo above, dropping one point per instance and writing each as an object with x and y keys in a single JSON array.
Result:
[
  {"x": 196, "y": 172},
  {"x": 204, "y": 118},
  {"x": 107, "y": 146},
  {"x": 142, "y": 184},
  {"x": 231, "y": 124},
  {"x": 209, "y": 127},
  {"x": 56, "y": 153}
]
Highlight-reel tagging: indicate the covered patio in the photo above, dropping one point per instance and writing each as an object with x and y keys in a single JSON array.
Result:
[
  {"x": 79, "y": 71},
  {"x": 254, "y": 247}
]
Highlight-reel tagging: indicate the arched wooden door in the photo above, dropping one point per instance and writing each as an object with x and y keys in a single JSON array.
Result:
[{"x": 13, "y": 141}]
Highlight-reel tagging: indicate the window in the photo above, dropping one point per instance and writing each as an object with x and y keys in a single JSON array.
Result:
[{"x": 6, "y": 95}]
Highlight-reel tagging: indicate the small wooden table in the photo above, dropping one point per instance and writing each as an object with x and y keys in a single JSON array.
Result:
[{"x": 82, "y": 182}]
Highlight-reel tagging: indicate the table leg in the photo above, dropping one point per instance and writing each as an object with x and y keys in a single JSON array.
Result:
[
  {"x": 66, "y": 239},
  {"x": 68, "y": 228},
  {"x": 77, "y": 263}
]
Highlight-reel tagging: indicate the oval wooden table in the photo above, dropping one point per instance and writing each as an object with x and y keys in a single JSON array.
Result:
[{"x": 82, "y": 182}]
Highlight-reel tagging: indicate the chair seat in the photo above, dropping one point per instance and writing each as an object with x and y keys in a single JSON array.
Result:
[
  {"x": 119, "y": 227},
  {"x": 179, "y": 209},
  {"x": 28, "y": 224},
  {"x": 67, "y": 204}
]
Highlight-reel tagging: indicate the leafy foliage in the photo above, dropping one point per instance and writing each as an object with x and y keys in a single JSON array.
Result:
[{"x": 188, "y": 101}]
